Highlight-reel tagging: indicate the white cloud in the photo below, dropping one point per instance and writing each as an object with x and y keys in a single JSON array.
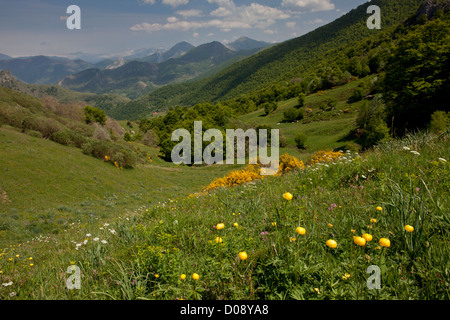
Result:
[
  {"x": 270, "y": 31},
  {"x": 147, "y": 1},
  {"x": 226, "y": 18},
  {"x": 315, "y": 21},
  {"x": 195, "y": 34},
  {"x": 190, "y": 13},
  {"x": 308, "y": 5},
  {"x": 291, "y": 24},
  {"x": 221, "y": 12},
  {"x": 175, "y": 3}
]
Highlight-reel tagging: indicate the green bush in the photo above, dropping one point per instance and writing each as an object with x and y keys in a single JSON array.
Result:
[
  {"x": 439, "y": 121},
  {"x": 292, "y": 114},
  {"x": 34, "y": 133},
  {"x": 300, "y": 140},
  {"x": 94, "y": 115},
  {"x": 301, "y": 100},
  {"x": 119, "y": 153},
  {"x": 46, "y": 126},
  {"x": 61, "y": 137},
  {"x": 353, "y": 147},
  {"x": 269, "y": 107}
]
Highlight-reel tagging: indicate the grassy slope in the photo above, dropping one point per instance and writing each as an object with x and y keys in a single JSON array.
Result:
[
  {"x": 325, "y": 129},
  {"x": 49, "y": 185},
  {"x": 177, "y": 237}
]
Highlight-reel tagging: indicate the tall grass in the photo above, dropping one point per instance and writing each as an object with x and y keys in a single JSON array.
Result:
[{"x": 148, "y": 250}]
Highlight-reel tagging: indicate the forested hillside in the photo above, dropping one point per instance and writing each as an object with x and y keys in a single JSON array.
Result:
[{"x": 328, "y": 48}]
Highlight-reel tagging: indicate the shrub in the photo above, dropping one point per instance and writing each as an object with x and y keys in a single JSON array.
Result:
[
  {"x": 288, "y": 163},
  {"x": 353, "y": 147},
  {"x": 150, "y": 139},
  {"x": 119, "y": 154},
  {"x": 292, "y": 114},
  {"x": 77, "y": 139},
  {"x": 61, "y": 137},
  {"x": 300, "y": 140},
  {"x": 101, "y": 133},
  {"x": 439, "y": 121},
  {"x": 269, "y": 107},
  {"x": 34, "y": 133},
  {"x": 301, "y": 100},
  {"x": 94, "y": 115},
  {"x": 325, "y": 156},
  {"x": 46, "y": 126}
]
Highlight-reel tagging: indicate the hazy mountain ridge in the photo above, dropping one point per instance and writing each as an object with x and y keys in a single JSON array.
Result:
[{"x": 135, "y": 78}]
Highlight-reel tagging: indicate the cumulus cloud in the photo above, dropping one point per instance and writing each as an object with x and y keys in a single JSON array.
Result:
[
  {"x": 291, "y": 24},
  {"x": 189, "y": 13},
  {"x": 226, "y": 17},
  {"x": 315, "y": 21},
  {"x": 308, "y": 5},
  {"x": 147, "y": 1},
  {"x": 175, "y": 3}
]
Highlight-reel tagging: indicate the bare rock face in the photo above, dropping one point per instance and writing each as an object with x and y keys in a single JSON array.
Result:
[
  {"x": 6, "y": 77},
  {"x": 429, "y": 8}
]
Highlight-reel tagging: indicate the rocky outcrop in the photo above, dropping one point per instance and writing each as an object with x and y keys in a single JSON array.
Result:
[
  {"x": 6, "y": 78},
  {"x": 429, "y": 9}
]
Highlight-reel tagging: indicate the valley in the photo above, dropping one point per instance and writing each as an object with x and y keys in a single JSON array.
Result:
[{"x": 88, "y": 179}]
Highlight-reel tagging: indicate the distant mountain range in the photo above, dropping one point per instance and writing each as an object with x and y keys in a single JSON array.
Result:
[
  {"x": 176, "y": 51},
  {"x": 132, "y": 74},
  {"x": 134, "y": 78},
  {"x": 4, "y": 57},
  {"x": 42, "y": 69}
]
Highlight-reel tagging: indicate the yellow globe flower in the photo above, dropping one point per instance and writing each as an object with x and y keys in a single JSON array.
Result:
[
  {"x": 288, "y": 196},
  {"x": 243, "y": 255},
  {"x": 373, "y": 220},
  {"x": 367, "y": 236},
  {"x": 274, "y": 224},
  {"x": 292, "y": 239},
  {"x": 300, "y": 230},
  {"x": 195, "y": 276},
  {"x": 360, "y": 241},
  {"x": 379, "y": 209},
  {"x": 157, "y": 276},
  {"x": 235, "y": 224},
  {"x": 385, "y": 242},
  {"x": 330, "y": 225},
  {"x": 183, "y": 276},
  {"x": 409, "y": 228},
  {"x": 331, "y": 243},
  {"x": 220, "y": 226},
  {"x": 353, "y": 230},
  {"x": 219, "y": 240}
]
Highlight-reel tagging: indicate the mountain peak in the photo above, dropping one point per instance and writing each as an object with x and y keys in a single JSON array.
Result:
[{"x": 246, "y": 43}]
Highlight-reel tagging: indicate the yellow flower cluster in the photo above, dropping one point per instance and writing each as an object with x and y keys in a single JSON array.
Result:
[
  {"x": 288, "y": 163},
  {"x": 325, "y": 156},
  {"x": 235, "y": 178},
  {"x": 253, "y": 172}
]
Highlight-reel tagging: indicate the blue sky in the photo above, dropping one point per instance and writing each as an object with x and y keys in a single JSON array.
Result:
[{"x": 34, "y": 27}]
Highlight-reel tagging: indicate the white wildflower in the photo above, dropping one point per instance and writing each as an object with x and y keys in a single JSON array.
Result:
[
  {"x": 415, "y": 152},
  {"x": 88, "y": 235},
  {"x": 442, "y": 159},
  {"x": 96, "y": 239},
  {"x": 406, "y": 148},
  {"x": 7, "y": 284},
  {"x": 104, "y": 241}
]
